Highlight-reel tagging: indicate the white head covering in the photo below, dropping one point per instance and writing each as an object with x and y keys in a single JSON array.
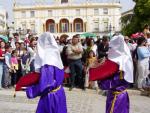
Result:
[
  {"x": 120, "y": 53},
  {"x": 47, "y": 52}
]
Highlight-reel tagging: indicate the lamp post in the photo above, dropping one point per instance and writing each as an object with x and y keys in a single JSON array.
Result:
[
  {"x": 86, "y": 16},
  {"x": 10, "y": 29},
  {"x": 20, "y": 31},
  {"x": 111, "y": 28}
]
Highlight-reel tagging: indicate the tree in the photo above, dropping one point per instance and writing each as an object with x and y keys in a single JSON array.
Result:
[{"x": 140, "y": 17}]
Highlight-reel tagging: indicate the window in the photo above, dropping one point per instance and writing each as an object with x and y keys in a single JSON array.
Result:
[
  {"x": 33, "y": 28},
  {"x": 2, "y": 16},
  {"x": 96, "y": 12},
  {"x": 24, "y": 26},
  {"x": 105, "y": 11},
  {"x": 51, "y": 27},
  {"x": 78, "y": 27},
  {"x": 78, "y": 12},
  {"x": 64, "y": 1},
  {"x": 96, "y": 26},
  {"x": 106, "y": 26},
  {"x": 2, "y": 22},
  {"x": 64, "y": 27},
  {"x": 23, "y": 14},
  {"x": 63, "y": 12},
  {"x": 32, "y": 14},
  {"x": 50, "y": 13}
]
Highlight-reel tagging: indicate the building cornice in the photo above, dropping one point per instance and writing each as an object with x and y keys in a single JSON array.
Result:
[
  {"x": 54, "y": 17},
  {"x": 129, "y": 12},
  {"x": 69, "y": 6}
]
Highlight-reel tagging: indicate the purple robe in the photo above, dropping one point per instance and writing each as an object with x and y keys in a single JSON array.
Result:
[
  {"x": 117, "y": 96},
  {"x": 50, "y": 102}
]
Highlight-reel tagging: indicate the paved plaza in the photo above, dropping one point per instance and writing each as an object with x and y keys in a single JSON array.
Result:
[{"x": 78, "y": 101}]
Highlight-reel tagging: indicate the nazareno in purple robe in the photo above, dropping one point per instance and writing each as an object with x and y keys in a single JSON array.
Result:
[
  {"x": 117, "y": 96},
  {"x": 50, "y": 101}
]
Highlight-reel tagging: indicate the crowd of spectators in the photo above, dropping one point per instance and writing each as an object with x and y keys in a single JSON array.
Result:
[{"x": 17, "y": 58}]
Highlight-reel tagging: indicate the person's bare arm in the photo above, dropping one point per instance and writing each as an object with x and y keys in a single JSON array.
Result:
[
  {"x": 1, "y": 58},
  {"x": 79, "y": 50}
]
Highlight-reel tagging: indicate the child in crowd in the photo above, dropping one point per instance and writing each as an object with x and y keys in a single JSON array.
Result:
[
  {"x": 91, "y": 60},
  {"x": 7, "y": 77},
  {"x": 25, "y": 65},
  {"x": 14, "y": 67}
]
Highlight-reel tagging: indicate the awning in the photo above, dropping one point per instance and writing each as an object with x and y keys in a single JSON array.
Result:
[
  {"x": 4, "y": 38},
  {"x": 84, "y": 35}
]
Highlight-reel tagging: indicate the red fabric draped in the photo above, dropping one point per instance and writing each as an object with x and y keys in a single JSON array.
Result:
[
  {"x": 27, "y": 80},
  {"x": 107, "y": 69}
]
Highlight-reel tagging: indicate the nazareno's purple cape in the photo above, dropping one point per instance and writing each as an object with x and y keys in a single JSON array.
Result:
[
  {"x": 50, "y": 101},
  {"x": 117, "y": 96}
]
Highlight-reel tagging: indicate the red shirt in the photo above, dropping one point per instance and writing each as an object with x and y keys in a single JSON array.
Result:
[{"x": 2, "y": 53}]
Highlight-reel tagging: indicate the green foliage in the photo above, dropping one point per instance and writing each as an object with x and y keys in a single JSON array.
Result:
[{"x": 140, "y": 18}]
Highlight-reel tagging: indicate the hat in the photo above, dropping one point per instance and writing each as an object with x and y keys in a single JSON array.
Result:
[{"x": 119, "y": 53}]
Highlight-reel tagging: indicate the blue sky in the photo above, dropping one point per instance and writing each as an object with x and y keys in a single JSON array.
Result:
[{"x": 7, "y": 4}]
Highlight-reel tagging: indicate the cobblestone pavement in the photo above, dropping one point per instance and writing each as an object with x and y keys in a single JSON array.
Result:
[{"x": 78, "y": 101}]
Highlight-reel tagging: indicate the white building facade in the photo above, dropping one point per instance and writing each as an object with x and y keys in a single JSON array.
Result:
[
  {"x": 2, "y": 21},
  {"x": 66, "y": 17}
]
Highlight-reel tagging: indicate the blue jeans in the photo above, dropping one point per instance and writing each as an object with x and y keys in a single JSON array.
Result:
[
  {"x": 32, "y": 68},
  {"x": 6, "y": 77},
  {"x": 76, "y": 72},
  {"x": 1, "y": 73}
]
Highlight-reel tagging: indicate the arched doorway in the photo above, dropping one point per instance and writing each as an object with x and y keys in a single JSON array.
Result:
[
  {"x": 50, "y": 26},
  {"x": 64, "y": 25},
  {"x": 64, "y": 1},
  {"x": 78, "y": 25}
]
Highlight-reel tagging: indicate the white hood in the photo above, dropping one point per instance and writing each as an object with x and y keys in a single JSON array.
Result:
[{"x": 120, "y": 53}]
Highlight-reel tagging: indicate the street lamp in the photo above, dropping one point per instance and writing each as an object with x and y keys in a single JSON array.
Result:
[
  {"x": 10, "y": 29},
  {"x": 111, "y": 28},
  {"x": 20, "y": 32},
  {"x": 8, "y": 32}
]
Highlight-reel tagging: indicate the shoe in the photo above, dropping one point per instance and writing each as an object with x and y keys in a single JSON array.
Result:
[
  {"x": 6, "y": 88},
  {"x": 141, "y": 89},
  {"x": 9, "y": 87},
  {"x": 84, "y": 89},
  {"x": 70, "y": 89},
  {"x": 144, "y": 93}
]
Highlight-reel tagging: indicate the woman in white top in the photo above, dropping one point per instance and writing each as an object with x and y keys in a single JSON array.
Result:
[
  {"x": 32, "y": 52},
  {"x": 143, "y": 55}
]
